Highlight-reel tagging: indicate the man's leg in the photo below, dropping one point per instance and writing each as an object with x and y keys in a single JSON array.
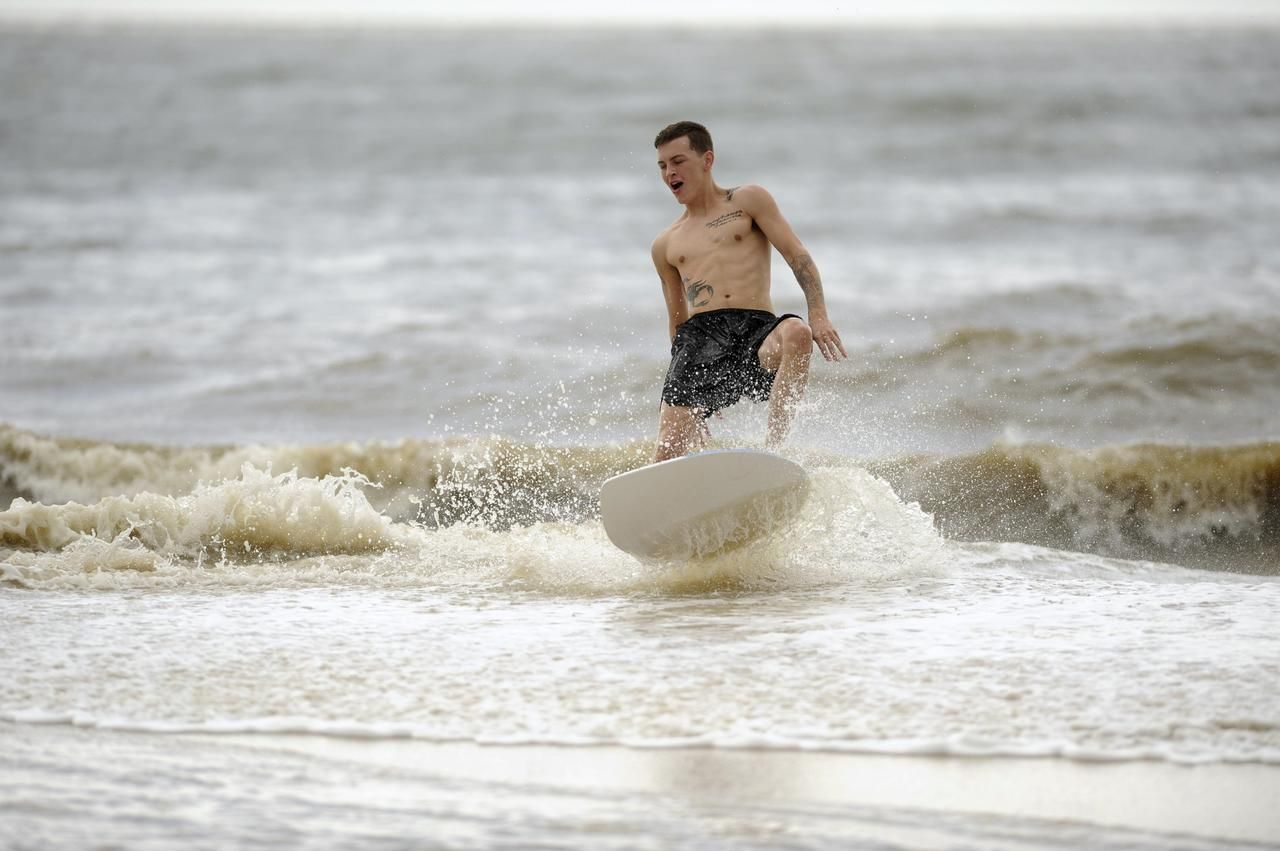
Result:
[
  {"x": 680, "y": 431},
  {"x": 787, "y": 350}
]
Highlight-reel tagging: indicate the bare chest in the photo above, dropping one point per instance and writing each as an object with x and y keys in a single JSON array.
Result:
[{"x": 725, "y": 233}]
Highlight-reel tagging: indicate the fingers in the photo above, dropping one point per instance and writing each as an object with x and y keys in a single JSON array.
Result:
[{"x": 830, "y": 345}]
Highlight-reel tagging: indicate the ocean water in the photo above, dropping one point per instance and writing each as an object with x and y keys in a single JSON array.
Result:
[{"x": 317, "y": 346}]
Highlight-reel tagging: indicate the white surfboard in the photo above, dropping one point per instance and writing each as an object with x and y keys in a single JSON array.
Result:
[{"x": 702, "y": 504}]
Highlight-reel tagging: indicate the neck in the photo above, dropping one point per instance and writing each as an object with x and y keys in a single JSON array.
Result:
[{"x": 701, "y": 203}]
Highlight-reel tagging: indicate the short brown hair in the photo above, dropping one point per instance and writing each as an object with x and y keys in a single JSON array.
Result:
[{"x": 699, "y": 136}]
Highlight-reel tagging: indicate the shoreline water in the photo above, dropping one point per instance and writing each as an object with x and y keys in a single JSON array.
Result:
[
  {"x": 1222, "y": 800},
  {"x": 898, "y": 801}
]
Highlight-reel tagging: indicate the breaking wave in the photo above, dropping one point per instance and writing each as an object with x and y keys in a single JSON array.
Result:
[
  {"x": 1215, "y": 507},
  {"x": 455, "y": 512}
]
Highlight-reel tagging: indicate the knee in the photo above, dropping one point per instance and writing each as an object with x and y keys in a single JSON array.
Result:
[{"x": 797, "y": 337}]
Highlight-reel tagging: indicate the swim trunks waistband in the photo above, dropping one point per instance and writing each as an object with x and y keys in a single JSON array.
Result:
[{"x": 711, "y": 315}]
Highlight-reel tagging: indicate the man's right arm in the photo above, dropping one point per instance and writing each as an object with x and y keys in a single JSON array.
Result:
[{"x": 672, "y": 286}]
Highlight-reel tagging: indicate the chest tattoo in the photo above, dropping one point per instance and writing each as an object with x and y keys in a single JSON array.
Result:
[{"x": 720, "y": 221}]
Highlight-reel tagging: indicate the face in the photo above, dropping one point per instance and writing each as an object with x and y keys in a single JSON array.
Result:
[{"x": 682, "y": 168}]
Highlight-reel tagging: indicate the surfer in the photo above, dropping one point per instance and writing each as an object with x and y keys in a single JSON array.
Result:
[{"x": 726, "y": 341}]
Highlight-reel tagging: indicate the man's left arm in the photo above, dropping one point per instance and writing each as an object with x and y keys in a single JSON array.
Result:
[{"x": 759, "y": 204}]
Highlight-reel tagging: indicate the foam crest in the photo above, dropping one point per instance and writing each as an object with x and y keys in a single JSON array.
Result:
[
  {"x": 258, "y": 515},
  {"x": 86, "y": 562}
]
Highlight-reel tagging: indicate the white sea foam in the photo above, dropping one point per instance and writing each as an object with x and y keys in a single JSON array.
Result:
[
  {"x": 262, "y": 528},
  {"x": 253, "y": 518}
]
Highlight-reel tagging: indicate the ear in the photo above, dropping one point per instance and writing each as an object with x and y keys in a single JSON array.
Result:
[{"x": 708, "y": 159}]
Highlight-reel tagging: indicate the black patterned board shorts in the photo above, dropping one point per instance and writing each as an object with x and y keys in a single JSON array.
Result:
[{"x": 715, "y": 359}]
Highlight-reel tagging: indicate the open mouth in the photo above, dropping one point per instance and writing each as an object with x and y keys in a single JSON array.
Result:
[{"x": 676, "y": 184}]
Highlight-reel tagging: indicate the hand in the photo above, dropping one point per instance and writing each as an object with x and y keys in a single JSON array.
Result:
[{"x": 827, "y": 338}]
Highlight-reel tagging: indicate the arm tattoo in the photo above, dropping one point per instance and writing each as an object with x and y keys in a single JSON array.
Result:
[
  {"x": 806, "y": 275},
  {"x": 698, "y": 293}
]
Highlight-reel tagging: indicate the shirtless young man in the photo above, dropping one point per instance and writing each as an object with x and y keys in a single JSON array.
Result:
[{"x": 726, "y": 342}]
